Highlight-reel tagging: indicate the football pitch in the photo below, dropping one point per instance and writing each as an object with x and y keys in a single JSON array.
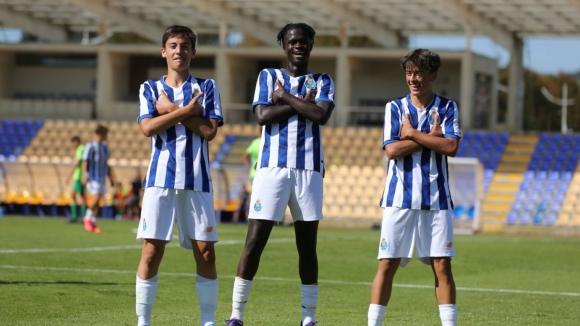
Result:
[{"x": 54, "y": 273}]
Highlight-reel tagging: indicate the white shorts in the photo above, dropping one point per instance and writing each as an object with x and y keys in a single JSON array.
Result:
[
  {"x": 432, "y": 231},
  {"x": 274, "y": 189},
  {"x": 96, "y": 188},
  {"x": 193, "y": 211}
]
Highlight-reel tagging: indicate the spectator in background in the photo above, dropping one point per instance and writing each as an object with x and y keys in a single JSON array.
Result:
[
  {"x": 76, "y": 174},
  {"x": 251, "y": 157},
  {"x": 96, "y": 156},
  {"x": 119, "y": 200},
  {"x": 133, "y": 209}
]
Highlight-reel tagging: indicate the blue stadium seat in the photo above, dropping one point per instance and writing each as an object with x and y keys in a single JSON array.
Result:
[
  {"x": 551, "y": 218},
  {"x": 512, "y": 218},
  {"x": 504, "y": 137},
  {"x": 525, "y": 218}
]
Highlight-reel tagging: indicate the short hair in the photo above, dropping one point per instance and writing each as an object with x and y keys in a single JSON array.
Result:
[
  {"x": 305, "y": 27},
  {"x": 422, "y": 59},
  {"x": 76, "y": 138},
  {"x": 181, "y": 31},
  {"x": 101, "y": 130}
]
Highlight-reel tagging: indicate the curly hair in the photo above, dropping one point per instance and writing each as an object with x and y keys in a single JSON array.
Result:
[
  {"x": 422, "y": 59},
  {"x": 305, "y": 27}
]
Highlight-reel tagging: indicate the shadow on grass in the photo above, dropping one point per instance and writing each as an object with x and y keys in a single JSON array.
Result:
[{"x": 62, "y": 282}]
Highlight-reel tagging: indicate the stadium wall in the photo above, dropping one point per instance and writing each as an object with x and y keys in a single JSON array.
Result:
[{"x": 364, "y": 78}]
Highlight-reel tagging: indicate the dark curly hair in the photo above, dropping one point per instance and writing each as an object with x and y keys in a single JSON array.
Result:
[
  {"x": 422, "y": 59},
  {"x": 305, "y": 27}
]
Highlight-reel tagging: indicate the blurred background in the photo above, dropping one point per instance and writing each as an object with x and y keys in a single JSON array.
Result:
[{"x": 511, "y": 65}]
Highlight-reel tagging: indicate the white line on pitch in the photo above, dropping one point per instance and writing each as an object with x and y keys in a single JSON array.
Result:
[
  {"x": 138, "y": 246},
  {"x": 282, "y": 279}
]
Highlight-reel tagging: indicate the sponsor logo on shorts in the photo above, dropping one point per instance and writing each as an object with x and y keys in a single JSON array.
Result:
[
  {"x": 449, "y": 244},
  {"x": 144, "y": 224},
  {"x": 209, "y": 229},
  {"x": 384, "y": 244},
  {"x": 258, "y": 206}
]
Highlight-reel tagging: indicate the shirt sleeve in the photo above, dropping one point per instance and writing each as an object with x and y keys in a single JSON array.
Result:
[
  {"x": 87, "y": 152},
  {"x": 392, "y": 125},
  {"x": 325, "y": 89},
  {"x": 211, "y": 102},
  {"x": 80, "y": 152},
  {"x": 450, "y": 122},
  {"x": 147, "y": 99},
  {"x": 264, "y": 88}
]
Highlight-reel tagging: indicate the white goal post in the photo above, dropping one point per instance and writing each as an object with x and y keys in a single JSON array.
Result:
[{"x": 466, "y": 183}]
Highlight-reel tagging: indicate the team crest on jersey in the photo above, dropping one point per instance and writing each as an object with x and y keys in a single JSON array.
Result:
[
  {"x": 200, "y": 99},
  {"x": 309, "y": 82},
  {"x": 144, "y": 224},
  {"x": 258, "y": 206},
  {"x": 384, "y": 244},
  {"x": 432, "y": 114}
]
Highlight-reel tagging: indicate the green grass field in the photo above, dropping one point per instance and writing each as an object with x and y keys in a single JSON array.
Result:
[{"x": 54, "y": 273}]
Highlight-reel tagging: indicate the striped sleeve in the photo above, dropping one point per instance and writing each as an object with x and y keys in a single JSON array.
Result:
[
  {"x": 212, "y": 102},
  {"x": 264, "y": 88},
  {"x": 392, "y": 125},
  {"x": 450, "y": 123},
  {"x": 146, "y": 102},
  {"x": 325, "y": 89},
  {"x": 87, "y": 152}
]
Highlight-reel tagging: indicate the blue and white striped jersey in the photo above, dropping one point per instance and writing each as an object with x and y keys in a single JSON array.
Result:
[
  {"x": 179, "y": 158},
  {"x": 97, "y": 155},
  {"x": 297, "y": 141},
  {"x": 419, "y": 180}
]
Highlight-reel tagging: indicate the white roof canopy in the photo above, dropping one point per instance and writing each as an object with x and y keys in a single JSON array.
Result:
[{"x": 386, "y": 22}]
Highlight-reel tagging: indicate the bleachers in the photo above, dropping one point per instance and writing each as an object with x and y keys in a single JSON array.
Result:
[
  {"x": 15, "y": 136},
  {"x": 545, "y": 185},
  {"x": 546, "y": 193}
]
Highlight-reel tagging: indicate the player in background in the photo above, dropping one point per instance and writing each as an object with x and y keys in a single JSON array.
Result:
[
  {"x": 420, "y": 131},
  {"x": 291, "y": 104},
  {"x": 76, "y": 174},
  {"x": 133, "y": 209},
  {"x": 181, "y": 114},
  {"x": 95, "y": 163},
  {"x": 251, "y": 157}
]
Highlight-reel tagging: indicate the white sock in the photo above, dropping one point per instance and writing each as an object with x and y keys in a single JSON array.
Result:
[
  {"x": 240, "y": 298},
  {"x": 145, "y": 291},
  {"x": 309, "y": 302},
  {"x": 94, "y": 219},
  {"x": 89, "y": 214},
  {"x": 448, "y": 314},
  {"x": 207, "y": 295},
  {"x": 376, "y": 314}
]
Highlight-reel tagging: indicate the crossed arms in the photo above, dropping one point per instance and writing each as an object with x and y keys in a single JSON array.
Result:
[
  {"x": 291, "y": 105},
  {"x": 191, "y": 116},
  {"x": 413, "y": 140}
]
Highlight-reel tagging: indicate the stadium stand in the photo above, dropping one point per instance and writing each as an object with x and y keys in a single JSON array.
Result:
[{"x": 529, "y": 179}]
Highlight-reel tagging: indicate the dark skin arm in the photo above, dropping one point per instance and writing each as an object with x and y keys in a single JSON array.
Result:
[
  {"x": 433, "y": 140},
  {"x": 317, "y": 112}
]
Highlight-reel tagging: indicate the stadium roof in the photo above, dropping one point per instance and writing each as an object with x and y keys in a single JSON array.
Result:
[{"x": 386, "y": 22}]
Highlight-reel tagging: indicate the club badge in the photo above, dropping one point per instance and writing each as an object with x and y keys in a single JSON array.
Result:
[
  {"x": 200, "y": 99},
  {"x": 309, "y": 82},
  {"x": 432, "y": 114},
  {"x": 258, "y": 206}
]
